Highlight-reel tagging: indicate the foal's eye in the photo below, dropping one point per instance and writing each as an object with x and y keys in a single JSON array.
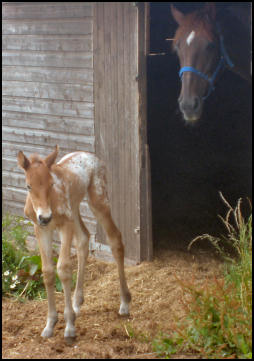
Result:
[{"x": 28, "y": 187}]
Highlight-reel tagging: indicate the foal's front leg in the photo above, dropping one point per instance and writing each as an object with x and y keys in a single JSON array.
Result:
[
  {"x": 65, "y": 274},
  {"x": 44, "y": 237}
]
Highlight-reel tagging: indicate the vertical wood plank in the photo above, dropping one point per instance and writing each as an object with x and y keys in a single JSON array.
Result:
[
  {"x": 116, "y": 114},
  {"x": 146, "y": 242}
]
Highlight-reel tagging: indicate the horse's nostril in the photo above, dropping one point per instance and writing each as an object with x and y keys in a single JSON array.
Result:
[{"x": 196, "y": 103}]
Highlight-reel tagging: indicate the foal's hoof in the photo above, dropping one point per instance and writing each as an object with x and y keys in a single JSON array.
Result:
[
  {"x": 69, "y": 332},
  {"x": 124, "y": 309},
  {"x": 47, "y": 333}
]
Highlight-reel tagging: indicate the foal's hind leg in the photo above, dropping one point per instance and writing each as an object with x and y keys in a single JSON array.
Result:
[
  {"x": 82, "y": 246},
  {"x": 99, "y": 204}
]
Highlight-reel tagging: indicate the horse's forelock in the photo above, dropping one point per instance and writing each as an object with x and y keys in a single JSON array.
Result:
[{"x": 197, "y": 21}]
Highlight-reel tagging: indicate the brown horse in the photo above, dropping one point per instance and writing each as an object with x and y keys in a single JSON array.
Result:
[
  {"x": 55, "y": 193},
  {"x": 206, "y": 45}
]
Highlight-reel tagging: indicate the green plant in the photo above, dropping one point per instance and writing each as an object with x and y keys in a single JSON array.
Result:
[
  {"x": 21, "y": 269},
  {"x": 219, "y": 313}
]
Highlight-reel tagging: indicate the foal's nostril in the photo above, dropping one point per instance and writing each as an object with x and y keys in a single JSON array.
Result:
[{"x": 44, "y": 220}]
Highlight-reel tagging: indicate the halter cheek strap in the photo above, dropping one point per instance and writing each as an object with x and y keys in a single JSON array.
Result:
[{"x": 224, "y": 60}]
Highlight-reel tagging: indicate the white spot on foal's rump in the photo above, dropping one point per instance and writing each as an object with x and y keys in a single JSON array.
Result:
[
  {"x": 81, "y": 164},
  {"x": 190, "y": 37}
]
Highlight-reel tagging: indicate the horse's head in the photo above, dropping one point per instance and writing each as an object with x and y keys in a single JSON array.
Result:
[
  {"x": 39, "y": 183},
  {"x": 198, "y": 49}
]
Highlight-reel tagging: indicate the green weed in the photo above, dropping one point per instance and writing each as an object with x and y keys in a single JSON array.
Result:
[
  {"x": 219, "y": 313},
  {"x": 21, "y": 269}
]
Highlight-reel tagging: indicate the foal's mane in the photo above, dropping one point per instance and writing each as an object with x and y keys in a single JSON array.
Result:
[{"x": 199, "y": 21}]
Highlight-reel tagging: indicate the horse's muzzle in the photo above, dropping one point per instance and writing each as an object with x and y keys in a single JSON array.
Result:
[{"x": 191, "y": 108}]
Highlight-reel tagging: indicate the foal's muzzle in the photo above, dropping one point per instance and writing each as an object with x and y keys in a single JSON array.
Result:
[{"x": 43, "y": 221}]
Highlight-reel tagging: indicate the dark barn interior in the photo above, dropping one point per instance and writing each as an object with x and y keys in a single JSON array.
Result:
[{"x": 191, "y": 164}]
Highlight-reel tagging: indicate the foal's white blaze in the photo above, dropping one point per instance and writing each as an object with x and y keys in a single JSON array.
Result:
[
  {"x": 190, "y": 37},
  {"x": 45, "y": 213}
]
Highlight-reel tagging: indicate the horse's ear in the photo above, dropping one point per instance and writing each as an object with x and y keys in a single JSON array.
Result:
[
  {"x": 177, "y": 15},
  {"x": 50, "y": 159},
  {"x": 23, "y": 162},
  {"x": 210, "y": 10}
]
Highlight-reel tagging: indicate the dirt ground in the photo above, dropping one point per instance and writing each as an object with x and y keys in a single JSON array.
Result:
[{"x": 101, "y": 332}]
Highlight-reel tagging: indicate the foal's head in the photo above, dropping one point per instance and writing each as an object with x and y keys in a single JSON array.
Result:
[
  {"x": 39, "y": 183},
  {"x": 197, "y": 47}
]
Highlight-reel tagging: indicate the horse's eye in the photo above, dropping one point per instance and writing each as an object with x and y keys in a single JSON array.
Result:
[
  {"x": 28, "y": 187},
  {"x": 210, "y": 46},
  {"x": 177, "y": 45}
]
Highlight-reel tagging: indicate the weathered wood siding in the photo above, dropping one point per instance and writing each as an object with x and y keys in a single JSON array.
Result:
[
  {"x": 47, "y": 87},
  {"x": 119, "y": 47},
  {"x": 74, "y": 74}
]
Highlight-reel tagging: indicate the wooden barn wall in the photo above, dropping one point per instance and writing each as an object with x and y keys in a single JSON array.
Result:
[
  {"x": 117, "y": 42},
  {"x": 47, "y": 88}
]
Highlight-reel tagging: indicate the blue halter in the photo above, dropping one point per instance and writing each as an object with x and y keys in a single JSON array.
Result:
[{"x": 224, "y": 60}]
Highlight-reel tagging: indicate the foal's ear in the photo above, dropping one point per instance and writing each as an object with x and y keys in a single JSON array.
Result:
[
  {"x": 177, "y": 15},
  {"x": 50, "y": 159},
  {"x": 23, "y": 162},
  {"x": 210, "y": 10}
]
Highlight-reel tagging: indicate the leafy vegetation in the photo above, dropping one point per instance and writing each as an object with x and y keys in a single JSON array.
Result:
[
  {"x": 219, "y": 313},
  {"x": 21, "y": 269}
]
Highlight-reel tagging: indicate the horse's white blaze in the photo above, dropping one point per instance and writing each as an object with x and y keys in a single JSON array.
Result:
[{"x": 190, "y": 37}]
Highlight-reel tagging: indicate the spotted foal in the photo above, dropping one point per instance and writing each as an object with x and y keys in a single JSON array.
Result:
[{"x": 55, "y": 193}]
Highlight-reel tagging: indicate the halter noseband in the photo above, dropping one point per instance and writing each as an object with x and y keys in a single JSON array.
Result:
[{"x": 224, "y": 60}]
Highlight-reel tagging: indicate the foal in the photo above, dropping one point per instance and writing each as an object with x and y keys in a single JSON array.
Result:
[{"x": 55, "y": 193}]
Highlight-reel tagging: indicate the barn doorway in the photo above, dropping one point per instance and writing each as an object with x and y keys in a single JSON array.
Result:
[{"x": 190, "y": 165}]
